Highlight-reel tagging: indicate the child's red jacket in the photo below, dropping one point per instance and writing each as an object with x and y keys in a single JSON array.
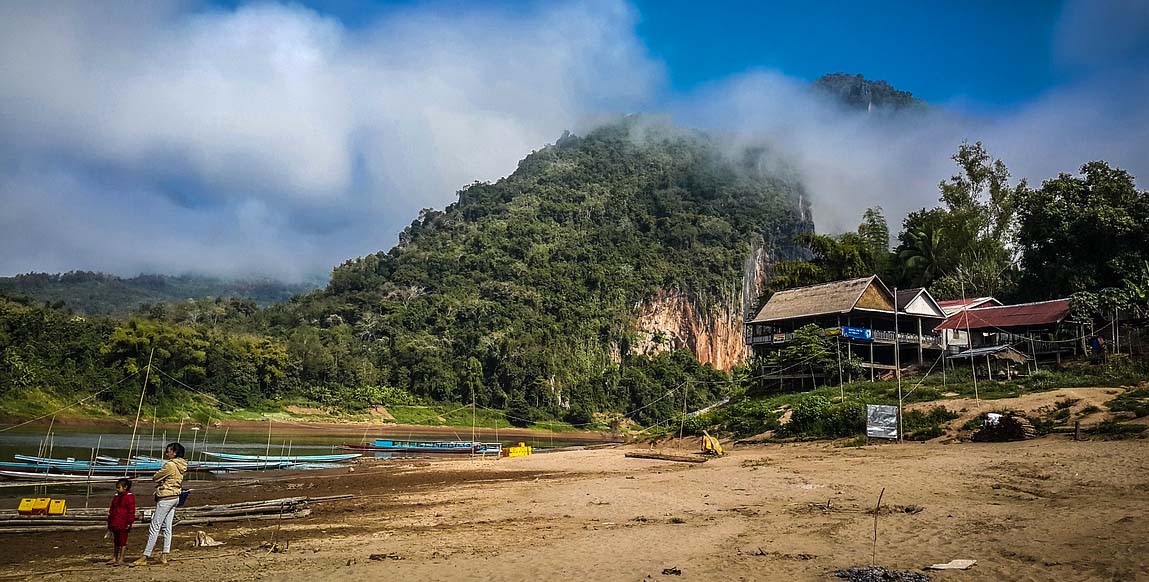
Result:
[{"x": 122, "y": 513}]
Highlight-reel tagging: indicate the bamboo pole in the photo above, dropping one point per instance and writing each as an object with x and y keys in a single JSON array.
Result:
[{"x": 140, "y": 406}]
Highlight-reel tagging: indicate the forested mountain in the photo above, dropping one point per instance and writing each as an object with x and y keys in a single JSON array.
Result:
[
  {"x": 857, "y": 92},
  {"x": 534, "y": 287},
  {"x": 592, "y": 279},
  {"x": 100, "y": 293}
]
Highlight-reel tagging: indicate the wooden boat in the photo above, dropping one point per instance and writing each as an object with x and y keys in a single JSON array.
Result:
[
  {"x": 429, "y": 447},
  {"x": 58, "y": 466},
  {"x": 26, "y": 476},
  {"x": 284, "y": 459}
]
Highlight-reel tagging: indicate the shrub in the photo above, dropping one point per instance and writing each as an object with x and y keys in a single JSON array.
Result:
[
  {"x": 519, "y": 413},
  {"x": 1118, "y": 430},
  {"x": 1135, "y": 401},
  {"x": 919, "y": 425},
  {"x": 817, "y": 417},
  {"x": 744, "y": 418}
]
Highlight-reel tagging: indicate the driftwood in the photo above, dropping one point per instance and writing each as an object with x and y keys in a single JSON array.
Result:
[{"x": 662, "y": 457}]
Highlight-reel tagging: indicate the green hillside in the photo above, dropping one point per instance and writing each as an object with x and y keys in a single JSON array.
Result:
[
  {"x": 525, "y": 289},
  {"x": 523, "y": 294},
  {"x": 103, "y": 294}
]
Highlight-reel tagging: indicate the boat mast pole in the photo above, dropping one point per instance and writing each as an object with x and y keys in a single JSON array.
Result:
[
  {"x": 267, "y": 454},
  {"x": 140, "y": 406},
  {"x": 152, "y": 442}
]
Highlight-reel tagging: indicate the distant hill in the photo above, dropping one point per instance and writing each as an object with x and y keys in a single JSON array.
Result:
[
  {"x": 103, "y": 294},
  {"x": 856, "y": 92},
  {"x": 634, "y": 238}
]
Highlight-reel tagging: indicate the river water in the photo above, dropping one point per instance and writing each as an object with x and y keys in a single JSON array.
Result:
[{"x": 85, "y": 442}]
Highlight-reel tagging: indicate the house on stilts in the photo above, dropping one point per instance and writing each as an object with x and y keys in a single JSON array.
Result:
[
  {"x": 1039, "y": 330},
  {"x": 881, "y": 327}
]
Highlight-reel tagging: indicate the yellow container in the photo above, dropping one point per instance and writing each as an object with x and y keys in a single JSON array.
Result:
[
  {"x": 522, "y": 450},
  {"x": 40, "y": 505},
  {"x": 26, "y": 506},
  {"x": 57, "y": 507}
]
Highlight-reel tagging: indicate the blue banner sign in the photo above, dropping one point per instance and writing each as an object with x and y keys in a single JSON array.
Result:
[{"x": 858, "y": 333}]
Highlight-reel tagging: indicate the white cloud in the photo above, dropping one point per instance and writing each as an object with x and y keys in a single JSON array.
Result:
[
  {"x": 850, "y": 161},
  {"x": 302, "y": 141},
  {"x": 274, "y": 140}
]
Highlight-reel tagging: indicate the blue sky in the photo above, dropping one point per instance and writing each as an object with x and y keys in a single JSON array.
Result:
[
  {"x": 995, "y": 53},
  {"x": 281, "y": 138}
]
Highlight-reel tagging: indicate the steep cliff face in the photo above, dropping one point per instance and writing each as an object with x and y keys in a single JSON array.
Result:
[{"x": 711, "y": 329}]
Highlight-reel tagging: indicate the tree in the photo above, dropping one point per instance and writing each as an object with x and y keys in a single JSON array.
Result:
[
  {"x": 967, "y": 246},
  {"x": 921, "y": 254},
  {"x": 835, "y": 257},
  {"x": 1082, "y": 233},
  {"x": 178, "y": 355},
  {"x": 876, "y": 232}
]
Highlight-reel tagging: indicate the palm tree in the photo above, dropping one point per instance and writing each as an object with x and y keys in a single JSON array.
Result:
[{"x": 923, "y": 256}]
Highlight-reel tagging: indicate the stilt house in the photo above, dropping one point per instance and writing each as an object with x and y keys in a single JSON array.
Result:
[{"x": 874, "y": 324}]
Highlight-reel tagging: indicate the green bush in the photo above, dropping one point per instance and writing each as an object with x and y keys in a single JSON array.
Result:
[
  {"x": 742, "y": 418},
  {"x": 1111, "y": 429},
  {"x": 818, "y": 417},
  {"x": 1135, "y": 401}
]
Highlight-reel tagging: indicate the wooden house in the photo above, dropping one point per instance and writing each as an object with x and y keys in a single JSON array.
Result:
[{"x": 876, "y": 325}]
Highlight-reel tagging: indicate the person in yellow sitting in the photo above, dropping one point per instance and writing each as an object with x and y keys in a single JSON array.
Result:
[{"x": 169, "y": 482}]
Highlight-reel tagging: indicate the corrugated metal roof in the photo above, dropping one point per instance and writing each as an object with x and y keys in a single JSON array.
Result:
[
  {"x": 1008, "y": 316},
  {"x": 836, "y": 297},
  {"x": 1001, "y": 352},
  {"x": 953, "y": 306}
]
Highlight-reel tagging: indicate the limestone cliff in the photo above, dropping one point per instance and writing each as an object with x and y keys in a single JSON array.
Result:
[{"x": 711, "y": 327}]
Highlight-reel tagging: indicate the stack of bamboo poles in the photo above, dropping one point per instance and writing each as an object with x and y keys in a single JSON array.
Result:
[{"x": 96, "y": 519}]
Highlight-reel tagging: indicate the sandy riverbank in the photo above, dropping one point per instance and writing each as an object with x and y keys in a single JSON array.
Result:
[{"x": 1038, "y": 510}]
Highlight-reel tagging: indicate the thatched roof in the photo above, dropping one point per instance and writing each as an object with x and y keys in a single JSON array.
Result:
[{"x": 827, "y": 298}]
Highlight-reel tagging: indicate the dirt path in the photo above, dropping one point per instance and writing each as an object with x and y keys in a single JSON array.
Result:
[{"x": 1038, "y": 510}]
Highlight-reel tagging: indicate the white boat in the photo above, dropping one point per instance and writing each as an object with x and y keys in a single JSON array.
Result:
[{"x": 25, "y": 476}]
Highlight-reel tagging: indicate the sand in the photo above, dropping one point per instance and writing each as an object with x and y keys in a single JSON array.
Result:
[{"x": 1046, "y": 509}]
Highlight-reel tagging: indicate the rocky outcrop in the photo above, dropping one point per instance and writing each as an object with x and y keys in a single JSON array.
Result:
[{"x": 710, "y": 327}]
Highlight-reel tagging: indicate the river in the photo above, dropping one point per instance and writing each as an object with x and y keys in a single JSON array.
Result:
[{"x": 83, "y": 442}]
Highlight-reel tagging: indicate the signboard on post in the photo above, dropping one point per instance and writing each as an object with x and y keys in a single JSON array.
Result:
[
  {"x": 881, "y": 421},
  {"x": 858, "y": 333}
]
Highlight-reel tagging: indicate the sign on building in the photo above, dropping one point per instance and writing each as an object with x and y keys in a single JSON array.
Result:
[
  {"x": 858, "y": 333},
  {"x": 881, "y": 421}
]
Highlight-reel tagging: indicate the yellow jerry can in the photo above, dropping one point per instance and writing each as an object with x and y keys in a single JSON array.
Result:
[
  {"x": 40, "y": 505},
  {"x": 26, "y": 506},
  {"x": 57, "y": 507}
]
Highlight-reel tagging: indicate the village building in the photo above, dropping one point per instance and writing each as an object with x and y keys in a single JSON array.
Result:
[
  {"x": 876, "y": 325},
  {"x": 1038, "y": 329},
  {"x": 957, "y": 340}
]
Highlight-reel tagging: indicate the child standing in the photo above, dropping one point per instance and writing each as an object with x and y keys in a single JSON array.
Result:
[{"x": 121, "y": 515}]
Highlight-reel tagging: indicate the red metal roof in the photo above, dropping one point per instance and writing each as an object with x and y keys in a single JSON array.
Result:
[
  {"x": 955, "y": 302},
  {"x": 1009, "y": 316}
]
